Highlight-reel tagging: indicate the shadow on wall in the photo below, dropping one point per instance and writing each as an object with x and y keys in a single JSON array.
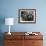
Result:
[{"x": 2, "y": 21}]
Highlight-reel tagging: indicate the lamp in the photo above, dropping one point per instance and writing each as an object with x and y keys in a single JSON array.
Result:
[{"x": 9, "y": 21}]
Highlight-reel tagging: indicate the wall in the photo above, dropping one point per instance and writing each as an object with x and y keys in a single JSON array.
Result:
[{"x": 9, "y": 8}]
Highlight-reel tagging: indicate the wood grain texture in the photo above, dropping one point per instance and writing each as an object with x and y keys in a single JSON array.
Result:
[{"x": 20, "y": 39}]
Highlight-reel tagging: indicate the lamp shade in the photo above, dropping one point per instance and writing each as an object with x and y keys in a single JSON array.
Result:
[{"x": 9, "y": 21}]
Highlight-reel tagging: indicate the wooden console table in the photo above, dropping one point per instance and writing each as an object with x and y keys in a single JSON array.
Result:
[{"x": 20, "y": 39}]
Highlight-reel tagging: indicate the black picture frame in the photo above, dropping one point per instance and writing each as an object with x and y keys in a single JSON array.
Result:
[{"x": 27, "y": 15}]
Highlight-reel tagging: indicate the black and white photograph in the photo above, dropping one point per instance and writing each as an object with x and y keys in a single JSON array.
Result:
[{"x": 27, "y": 15}]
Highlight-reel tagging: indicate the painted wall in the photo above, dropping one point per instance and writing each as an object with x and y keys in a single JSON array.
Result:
[{"x": 9, "y": 8}]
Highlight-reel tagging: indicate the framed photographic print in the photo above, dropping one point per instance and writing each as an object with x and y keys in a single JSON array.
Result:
[{"x": 27, "y": 15}]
